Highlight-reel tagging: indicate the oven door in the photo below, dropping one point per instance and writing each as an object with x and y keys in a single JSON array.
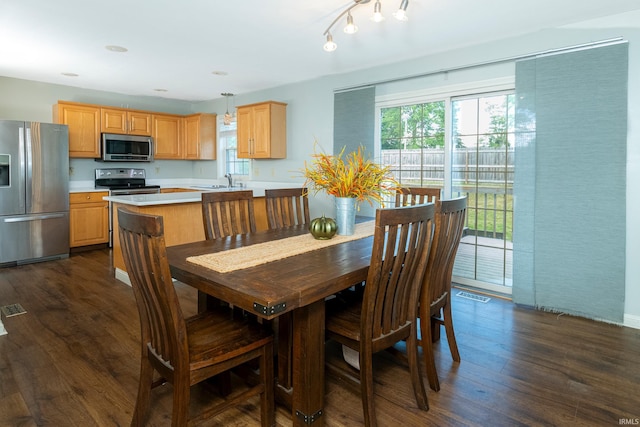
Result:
[{"x": 126, "y": 192}]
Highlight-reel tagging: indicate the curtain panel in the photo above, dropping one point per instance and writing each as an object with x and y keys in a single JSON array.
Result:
[{"x": 570, "y": 182}]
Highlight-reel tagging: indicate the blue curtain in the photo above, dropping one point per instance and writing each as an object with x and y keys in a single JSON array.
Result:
[
  {"x": 354, "y": 120},
  {"x": 570, "y": 182}
]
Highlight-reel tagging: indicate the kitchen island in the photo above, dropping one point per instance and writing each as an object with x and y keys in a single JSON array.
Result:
[{"x": 182, "y": 213}]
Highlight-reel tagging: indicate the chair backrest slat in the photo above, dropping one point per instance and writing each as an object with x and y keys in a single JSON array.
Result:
[
  {"x": 228, "y": 213},
  {"x": 287, "y": 207}
]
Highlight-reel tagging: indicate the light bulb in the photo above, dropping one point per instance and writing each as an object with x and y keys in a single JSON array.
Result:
[
  {"x": 377, "y": 12},
  {"x": 401, "y": 13},
  {"x": 351, "y": 27},
  {"x": 330, "y": 46}
]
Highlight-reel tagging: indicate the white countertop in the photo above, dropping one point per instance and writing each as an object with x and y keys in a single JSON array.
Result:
[
  {"x": 156, "y": 199},
  {"x": 191, "y": 196},
  {"x": 258, "y": 187}
]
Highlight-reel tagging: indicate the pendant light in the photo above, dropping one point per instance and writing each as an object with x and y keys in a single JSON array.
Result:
[{"x": 228, "y": 118}]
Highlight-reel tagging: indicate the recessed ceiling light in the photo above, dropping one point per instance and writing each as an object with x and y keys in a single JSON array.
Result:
[
  {"x": 160, "y": 90},
  {"x": 116, "y": 48},
  {"x": 70, "y": 74},
  {"x": 219, "y": 73}
]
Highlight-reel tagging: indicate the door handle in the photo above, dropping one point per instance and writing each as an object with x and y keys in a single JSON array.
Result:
[{"x": 33, "y": 217}]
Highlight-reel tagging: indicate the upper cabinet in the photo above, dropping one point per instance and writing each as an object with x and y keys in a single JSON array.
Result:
[
  {"x": 116, "y": 120},
  {"x": 175, "y": 137},
  {"x": 83, "y": 121},
  {"x": 262, "y": 130},
  {"x": 200, "y": 137},
  {"x": 166, "y": 131}
]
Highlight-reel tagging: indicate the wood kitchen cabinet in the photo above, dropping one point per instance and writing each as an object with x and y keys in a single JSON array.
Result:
[
  {"x": 262, "y": 130},
  {"x": 166, "y": 131},
  {"x": 117, "y": 120},
  {"x": 200, "y": 137},
  {"x": 176, "y": 137},
  {"x": 83, "y": 121},
  {"x": 88, "y": 219}
]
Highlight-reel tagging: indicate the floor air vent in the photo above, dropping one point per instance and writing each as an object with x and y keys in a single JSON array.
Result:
[
  {"x": 474, "y": 297},
  {"x": 12, "y": 310}
]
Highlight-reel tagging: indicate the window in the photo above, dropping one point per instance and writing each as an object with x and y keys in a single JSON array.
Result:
[
  {"x": 228, "y": 151},
  {"x": 463, "y": 145},
  {"x": 412, "y": 141}
]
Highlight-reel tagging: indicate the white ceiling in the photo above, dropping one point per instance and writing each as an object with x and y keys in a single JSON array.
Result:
[{"x": 176, "y": 45}]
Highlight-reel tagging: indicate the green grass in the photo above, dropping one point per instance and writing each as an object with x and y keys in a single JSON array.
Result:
[{"x": 487, "y": 212}]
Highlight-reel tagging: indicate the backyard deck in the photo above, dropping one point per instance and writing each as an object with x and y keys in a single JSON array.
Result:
[{"x": 487, "y": 261}]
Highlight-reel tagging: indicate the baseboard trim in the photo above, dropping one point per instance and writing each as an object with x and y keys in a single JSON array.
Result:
[
  {"x": 632, "y": 321},
  {"x": 123, "y": 276}
]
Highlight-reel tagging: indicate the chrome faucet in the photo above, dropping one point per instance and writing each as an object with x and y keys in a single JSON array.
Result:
[{"x": 230, "y": 179}]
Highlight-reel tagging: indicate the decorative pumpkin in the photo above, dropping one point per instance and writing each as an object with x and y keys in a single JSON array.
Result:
[{"x": 323, "y": 228}]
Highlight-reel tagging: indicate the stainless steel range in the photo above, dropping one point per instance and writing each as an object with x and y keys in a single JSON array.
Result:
[{"x": 123, "y": 182}]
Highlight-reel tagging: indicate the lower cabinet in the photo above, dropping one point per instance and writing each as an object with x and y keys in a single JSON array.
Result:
[{"x": 89, "y": 219}]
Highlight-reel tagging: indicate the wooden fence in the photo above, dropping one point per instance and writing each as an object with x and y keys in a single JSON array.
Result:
[{"x": 489, "y": 166}]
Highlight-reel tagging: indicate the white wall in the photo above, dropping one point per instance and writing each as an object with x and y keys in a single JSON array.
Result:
[{"x": 310, "y": 110}]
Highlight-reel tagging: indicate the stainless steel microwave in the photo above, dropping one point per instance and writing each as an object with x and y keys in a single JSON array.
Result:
[{"x": 126, "y": 148}]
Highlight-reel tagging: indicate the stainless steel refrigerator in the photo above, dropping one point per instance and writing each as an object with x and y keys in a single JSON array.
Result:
[{"x": 34, "y": 192}]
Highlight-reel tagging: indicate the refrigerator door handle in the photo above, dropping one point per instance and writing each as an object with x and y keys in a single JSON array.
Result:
[
  {"x": 25, "y": 218},
  {"x": 29, "y": 165}
]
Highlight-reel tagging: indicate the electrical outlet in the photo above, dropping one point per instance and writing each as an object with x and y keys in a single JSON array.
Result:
[
  {"x": 157, "y": 170},
  {"x": 70, "y": 170}
]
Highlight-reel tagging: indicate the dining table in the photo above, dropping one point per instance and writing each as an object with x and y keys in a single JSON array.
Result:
[{"x": 277, "y": 281}]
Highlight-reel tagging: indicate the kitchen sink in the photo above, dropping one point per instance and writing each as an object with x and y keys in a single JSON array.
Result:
[{"x": 214, "y": 186}]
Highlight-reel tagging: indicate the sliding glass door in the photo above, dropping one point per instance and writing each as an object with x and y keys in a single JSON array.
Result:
[
  {"x": 482, "y": 162},
  {"x": 464, "y": 146}
]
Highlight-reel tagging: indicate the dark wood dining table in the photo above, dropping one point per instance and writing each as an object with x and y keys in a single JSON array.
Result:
[{"x": 299, "y": 285}]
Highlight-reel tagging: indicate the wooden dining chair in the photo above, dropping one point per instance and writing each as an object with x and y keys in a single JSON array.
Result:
[
  {"x": 227, "y": 213},
  {"x": 408, "y": 196},
  {"x": 186, "y": 351},
  {"x": 287, "y": 207},
  {"x": 435, "y": 298},
  {"x": 388, "y": 311}
]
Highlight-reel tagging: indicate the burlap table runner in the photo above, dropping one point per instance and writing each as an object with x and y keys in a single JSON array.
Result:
[{"x": 262, "y": 253}]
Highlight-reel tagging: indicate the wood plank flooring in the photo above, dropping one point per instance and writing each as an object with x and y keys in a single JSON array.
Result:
[{"x": 72, "y": 360}]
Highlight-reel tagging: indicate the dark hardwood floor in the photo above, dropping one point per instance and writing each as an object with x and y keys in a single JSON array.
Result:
[{"x": 72, "y": 360}]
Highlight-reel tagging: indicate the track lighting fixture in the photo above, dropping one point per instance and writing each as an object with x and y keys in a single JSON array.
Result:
[{"x": 350, "y": 28}]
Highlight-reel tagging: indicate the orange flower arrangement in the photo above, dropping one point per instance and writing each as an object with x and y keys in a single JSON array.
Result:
[{"x": 351, "y": 176}]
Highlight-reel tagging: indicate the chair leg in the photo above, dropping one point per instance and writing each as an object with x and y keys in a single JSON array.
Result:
[
  {"x": 181, "y": 399},
  {"x": 427, "y": 351},
  {"x": 435, "y": 328},
  {"x": 144, "y": 393},
  {"x": 451, "y": 336},
  {"x": 267, "y": 399},
  {"x": 366, "y": 389},
  {"x": 415, "y": 372}
]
